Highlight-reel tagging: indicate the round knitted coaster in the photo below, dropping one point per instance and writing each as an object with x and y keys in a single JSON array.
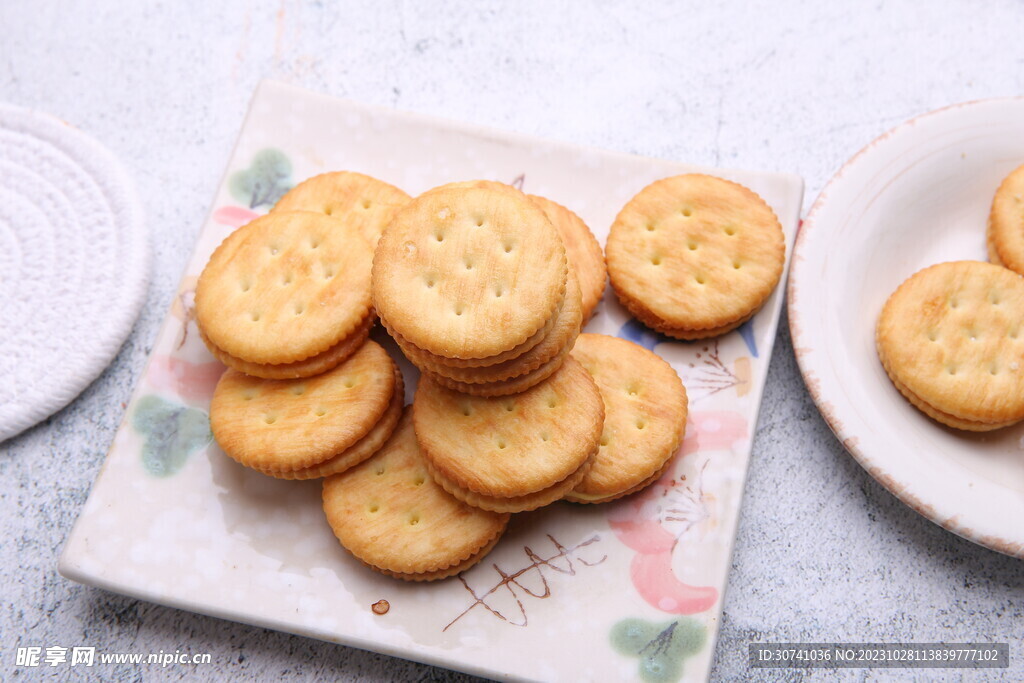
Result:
[{"x": 74, "y": 264}]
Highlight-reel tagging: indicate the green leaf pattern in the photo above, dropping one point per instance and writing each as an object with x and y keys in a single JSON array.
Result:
[
  {"x": 660, "y": 647},
  {"x": 172, "y": 433},
  {"x": 265, "y": 181}
]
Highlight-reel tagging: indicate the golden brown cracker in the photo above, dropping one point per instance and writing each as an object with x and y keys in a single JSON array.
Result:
[
  {"x": 698, "y": 252},
  {"x": 506, "y": 387},
  {"x": 437, "y": 574},
  {"x": 523, "y": 503},
  {"x": 360, "y": 201},
  {"x": 288, "y": 425},
  {"x": 514, "y": 445},
  {"x": 285, "y": 287},
  {"x": 583, "y": 499},
  {"x": 480, "y": 184},
  {"x": 637, "y": 310},
  {"x": 360, "y": 450},
  {"x": 422, "y": 358},
  {"x": 468, "y": 272},
  {"x": 582, "y": 250},
  {"x": 314, "y": 365},
  {"x": 645, "y": 408},
  {"x": 950, "y": 337},
  {"x": 1006, "y": 223},
  {"x": 562, "y": 334},
  {"x": 936, "y": 414},
  {"x": 390, "y": 514}
]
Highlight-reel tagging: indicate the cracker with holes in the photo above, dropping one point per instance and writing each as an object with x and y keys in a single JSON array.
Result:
[
  {"x": 695, "y": 256},
  {"x": 358, "y": 200},
  {"x": 287, "y": 287},
  {"x": 1006, "y": 223},
  {"x": 469, "y": 273},
  {"x": 950, "y": 340},
  {"x": 394, "y": 518},
  {"x": 520, "y": 373},
  {"x": 310, "y": 427},
  {"x": 582, "y": 249},
  {"x": 645, "y": 409},
  {"x": 511, "y": 453},
  {"x": 314, "y": 365}
]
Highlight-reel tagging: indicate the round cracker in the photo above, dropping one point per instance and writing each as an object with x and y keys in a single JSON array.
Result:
[
  {"x": 638, "y": 311},
  {"x": 514, "y": 445},
  {"x": 437, "y": 574},
  {"x": 698, "y": 252},
  {"x": 360, "y": 450},
  {"x": 468, "y": 272},
  {"x": 645, "y": 408},
  {"x": 361, "y": 201},
  {"x": 935, "y": 413},
  {"x": 523, "y": 503},
  {"x": 507, "y": 387},
  {"x": 950, "y": 336},
  {"x": 485, "y": 184},
  {"x": 314, "y": 365},
  {"x": 288, "y": 425},
  {"x": 1006, "y": 223},
  {"x": 582, "y": 250},
  {"x": 422, "y": 358},
  {"x": 285, "y": 287},
  {"x": 389, "y": 513},
  {"x": 993, "y": 254},
  {"x": 563, "y": 333},
  {"x": 574, "y": 497}
]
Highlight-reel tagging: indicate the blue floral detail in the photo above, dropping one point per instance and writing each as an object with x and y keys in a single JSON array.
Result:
[
  {"x": 747, "y": 332},
  {"x": 640, "y": 334}
]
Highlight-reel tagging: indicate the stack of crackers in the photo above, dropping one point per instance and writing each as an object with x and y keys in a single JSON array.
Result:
[
  {"x": 485, "y": 289},
  {"x": 950, "y": 336}
]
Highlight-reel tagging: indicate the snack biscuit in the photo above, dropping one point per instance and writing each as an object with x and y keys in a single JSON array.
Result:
[
  {"x": 285, "y": 287},
  {"x": 480, "y": 184},
  {"x": 289, "y": 425},
  {"x": 516, "y": 452},
  {"x": 361, "y": 449},
  {"x": 507, "y": 387},
  {"x": 641, "y": 314},
  {"x": 582, "y": 250},
  {"x": 993, "y": 255},
  {"x": 696, "y": 254},
  {"x": 562, "y": 335},
  {"x": 421, "y": 357},
  {"x": 1005, "y": 233},
  {"x": 468, "y": 272},
  {"x": 314, "y": 365},
  {"x": 523, "y": 503},
  {"x": 950, "y": 340},
  {"x": 361, "y": 201},
  {"x": 645, "y": 408},
  {"x": 394, "y": 518}
]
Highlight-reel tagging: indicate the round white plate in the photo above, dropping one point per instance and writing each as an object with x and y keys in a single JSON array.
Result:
[
  {"x": 74, "y": 264},
  {"x": 916, "y": 196}
]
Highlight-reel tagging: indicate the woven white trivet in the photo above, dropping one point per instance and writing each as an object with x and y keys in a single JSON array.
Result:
[{"x": 74, "y": 264}]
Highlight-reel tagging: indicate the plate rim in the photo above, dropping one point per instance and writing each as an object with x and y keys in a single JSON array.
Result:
[{"x": 872, "y": 465}]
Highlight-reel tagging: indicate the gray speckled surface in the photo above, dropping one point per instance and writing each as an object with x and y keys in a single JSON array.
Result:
[{"x": 823, "y": 552}]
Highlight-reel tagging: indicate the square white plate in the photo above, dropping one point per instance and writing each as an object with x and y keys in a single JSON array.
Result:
[{"x": 632, "y": 589}]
